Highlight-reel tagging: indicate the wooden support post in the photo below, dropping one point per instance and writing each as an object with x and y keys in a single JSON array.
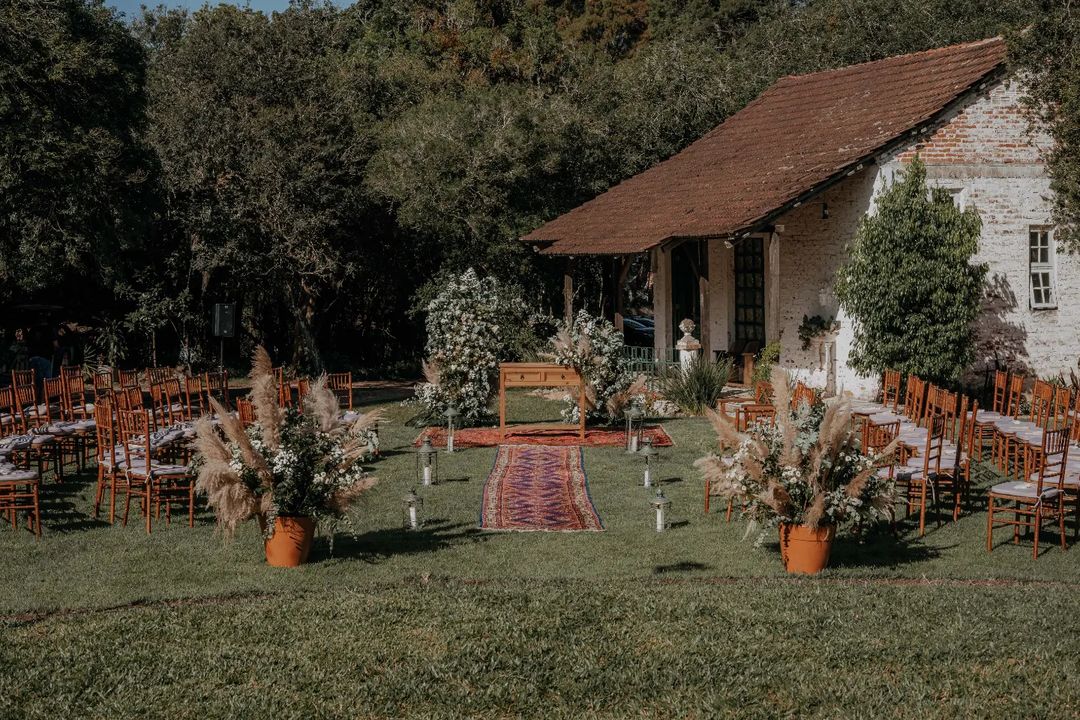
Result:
[
  {"x": 622, "y": 269},
  {"x": 662, "y": 338},
  {"x": 568, "y": 291},
  {"x": 705, "y": 327}
]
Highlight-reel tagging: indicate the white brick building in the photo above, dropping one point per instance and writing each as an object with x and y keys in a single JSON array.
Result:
[{"x": 765, "y": 205}]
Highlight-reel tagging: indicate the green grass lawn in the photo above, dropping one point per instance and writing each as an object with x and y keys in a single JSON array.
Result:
[{"x": 452, "y": 621}]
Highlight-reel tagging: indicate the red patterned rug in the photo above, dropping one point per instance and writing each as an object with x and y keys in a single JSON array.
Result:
[
  {"x": 538, "y": 488},
  {"x": 489, "y": 437}
]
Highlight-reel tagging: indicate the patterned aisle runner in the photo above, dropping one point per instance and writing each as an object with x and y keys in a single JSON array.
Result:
[{"x": 533, "y": 487}]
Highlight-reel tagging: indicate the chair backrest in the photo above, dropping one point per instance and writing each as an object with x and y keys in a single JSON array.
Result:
[
  {"x": 1061, "y": 409},
  {"x": 170, "y": 403},
  {"x": 890, "y": 389},
  {"x": 23, "y": 377},
  {"x": 284, "y": 392},
  {"x": 128, "y": 379},
  {"x": 801, "y": 394},
  {"x": 27, "y": 404},
  {"x": 1016, "y": 392},
  {"x": 763, "y": 391},
  {"x": 935, "y": 442},
  {"x": 155, "y": 375},
  {"x": 196, "y": 392},
  {"x": 878, "y": 437},
  {"x": 303, "y": 387},
  {"x": 341, "y": 385},
  {"x": 965, "y": 438},
  {"x": 10, "y": 417},
  {"x": 129, "y": 399},
  {"x": 74, "y": 405},
  {"x": 754, "y": 413},
  {"x": 915, "y": 401},
  {"x": 106, "y": 429},
  {"x": 52, "y": 396},
  {"x": 1001, "y": 391},
  {"x": 103, "y": 382},
  {"x": 1042, "y": 398},
  {"x": 246, "y": 411},
  {"x": 1055, "y": 456},
  {"x": 1076, "y": 419},
  {"x": 134, "y": 427},
  {"x": 217, "y": 385}
]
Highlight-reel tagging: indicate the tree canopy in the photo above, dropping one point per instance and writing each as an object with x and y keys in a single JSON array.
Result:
[{"x": 330, "y": 167}]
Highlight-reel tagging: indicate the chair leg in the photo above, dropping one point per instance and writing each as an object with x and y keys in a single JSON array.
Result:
[
  {"x": 922, "y": 508},
  {"x": 37, "y": 513},
  {"x": 1038, "y": 527},
  {"x": 990, "y": 524}
]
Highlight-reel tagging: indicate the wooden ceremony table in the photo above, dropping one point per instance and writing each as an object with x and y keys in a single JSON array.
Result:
[{"x": 514, "y": 375}]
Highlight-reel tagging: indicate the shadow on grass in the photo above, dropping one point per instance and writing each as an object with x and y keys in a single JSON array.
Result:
[
  {"x": 379, "y": 545},
  {"x": 684, "y": 566},
  {"x": 880, "y": 550}
]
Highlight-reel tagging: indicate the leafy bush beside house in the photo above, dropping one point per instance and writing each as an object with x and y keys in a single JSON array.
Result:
[{"x": 910, "y": 285}]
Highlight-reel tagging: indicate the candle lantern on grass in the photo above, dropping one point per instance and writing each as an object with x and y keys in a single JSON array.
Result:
[
  {"x": 660, "y": 506},
  {"x": 412, "y": 507},
  {"x": 635, "y": 421},
  {"x": 427, "y": 463},
  {"x": 652, "y": 460},
  {"x": 451, "y": 414}
]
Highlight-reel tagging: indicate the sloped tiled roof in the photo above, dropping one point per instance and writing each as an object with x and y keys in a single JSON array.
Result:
[{"x": 797, "y": 135}]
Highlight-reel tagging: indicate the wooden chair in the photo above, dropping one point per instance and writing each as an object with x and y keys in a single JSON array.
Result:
[
  {"x": 875, "y": 438},
  {"x": 33, "y": 418},
  {"x": 53, "y": 420},
  {"x": 1038, "y": 498},
  {"x": 803, "y": 394},
  {"x": 129, "y": 399},
  {"x": 158, "y": 375},
  {"x": 170, "y": 408},
  {"x": 890, "y": 389},
  {"x": 245, "y": 411},
  {"x": 341, "y": 385},
  {"x": 19, "y": 489},
  {"x": 128, "y": 379},
  {"x": 103, "y": 382},
  {"x": 110, "y": 455},
  {"x": 284, "y": 391},
  {"x": 920, "y": 481},
  {"x": 75, "y": 405},
  {"x": 217, "y": 386},
  {"x": 1000, "y": 446},
  {"x": 196, "y": 396},
  {"x": 23, "y": 377},
  {"x": 984, "y": 426},
  {"x": 303, "y": 388},
  {"x": 748, "y": 415},
  {"x": 146, "y": 478}
]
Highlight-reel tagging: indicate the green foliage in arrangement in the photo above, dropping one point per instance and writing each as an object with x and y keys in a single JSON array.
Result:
[
  {"x": 697, "y": 386},
  {"x": 766, "y": 358},
  {"x": 910, "y": 285}
]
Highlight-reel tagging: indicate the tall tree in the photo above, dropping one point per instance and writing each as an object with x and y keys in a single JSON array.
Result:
[
  {"x": 73, "y": 171},
  {"x": 910, "y": 285}
]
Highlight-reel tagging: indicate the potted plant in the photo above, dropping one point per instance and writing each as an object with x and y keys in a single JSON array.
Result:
[
  {"x": 289, "y": 470},
  {"x": 803, "y": 474}
]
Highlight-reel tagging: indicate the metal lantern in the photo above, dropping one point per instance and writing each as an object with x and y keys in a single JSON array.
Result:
[
  {"x": 373, "y": 440},
  {"x": 451, "y": 413},
  {"x": 635, "y": 426},
  {"x": 412, "y": 506},
  {"x": 652, "y": 459},
  {"x": 660, "y": 505},
  {"x": 427, "y": 463}
]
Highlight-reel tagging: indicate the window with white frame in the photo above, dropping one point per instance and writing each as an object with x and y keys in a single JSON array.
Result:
[{"x": 1041, "y": 271}]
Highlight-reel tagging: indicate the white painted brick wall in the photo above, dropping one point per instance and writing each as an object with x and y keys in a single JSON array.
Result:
[{"x": 986, "y": 153}]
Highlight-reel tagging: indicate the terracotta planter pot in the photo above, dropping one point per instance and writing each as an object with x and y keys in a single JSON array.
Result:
[
  {"x": 804, "y": 550},
  {"x": 291, "y": 542}
]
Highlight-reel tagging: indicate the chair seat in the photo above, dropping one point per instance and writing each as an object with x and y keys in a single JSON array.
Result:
[
  {"x": 886, "y": 418},
  {"x": 1011, "y": 426},
  {"x": 948, "y": 460},
  {"x": 11, "y": 474},
  {"x": 138, "y": 468},
  {"x": 1027, "y": 490},
  {"x": 986, "y": 417}
]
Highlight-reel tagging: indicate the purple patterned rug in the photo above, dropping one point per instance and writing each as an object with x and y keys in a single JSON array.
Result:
[{"x": 533, "y": 487}]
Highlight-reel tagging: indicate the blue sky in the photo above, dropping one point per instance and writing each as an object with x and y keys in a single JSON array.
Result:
[{"x": 130, "y": 8}]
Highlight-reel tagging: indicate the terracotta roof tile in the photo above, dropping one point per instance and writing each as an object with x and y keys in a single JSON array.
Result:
[{"x": 801, "y": 132}]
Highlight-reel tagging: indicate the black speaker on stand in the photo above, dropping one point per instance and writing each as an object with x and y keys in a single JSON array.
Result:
[{"x": 223, "y": 323}]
